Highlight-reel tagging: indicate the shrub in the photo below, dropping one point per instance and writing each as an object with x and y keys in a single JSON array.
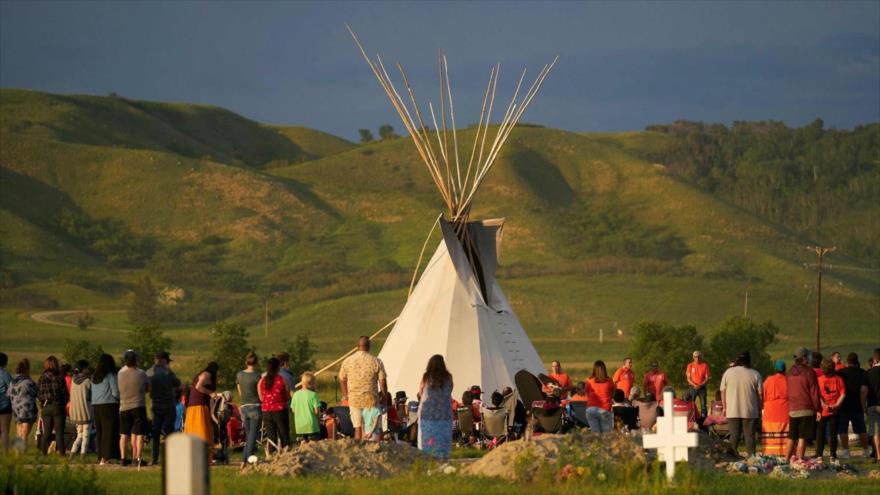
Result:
[
  {"x": 229, "y": 346},
  {"x": 736, "y": 335},
  {"x": 50, "y": 479},
  {"x": 147, "y": 341},
  {"x": 74, "y": 350},
  {"x": 669, "y": 345}
]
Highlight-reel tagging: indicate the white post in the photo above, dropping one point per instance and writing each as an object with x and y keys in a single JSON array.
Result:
[{"x": 185, "y": 466}]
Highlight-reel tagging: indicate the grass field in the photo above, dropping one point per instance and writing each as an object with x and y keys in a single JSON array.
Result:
[
  {"x": 228, "y": 480},
  {"x": 596, "y": 238}
]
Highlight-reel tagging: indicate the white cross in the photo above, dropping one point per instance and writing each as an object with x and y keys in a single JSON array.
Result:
[{"x": 672, "y": 439}]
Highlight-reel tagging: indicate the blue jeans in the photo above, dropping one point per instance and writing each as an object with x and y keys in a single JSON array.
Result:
[
  {"x": 163, "y": 424},
  {"x": 600, "y": 420},
  {"x": 701, "y": 393},
  {"x": 251, "y": 419}
]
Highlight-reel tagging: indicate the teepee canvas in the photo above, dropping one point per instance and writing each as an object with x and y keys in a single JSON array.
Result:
[
  {"x": 449, "y": 313},
  {"x": 457, "y": 309}
]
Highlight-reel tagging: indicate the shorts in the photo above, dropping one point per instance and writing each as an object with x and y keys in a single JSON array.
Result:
[
  {"x": 357, "y": 416},
  {"x": 857, "y": 419},
  {"x": 133, "y": 421},
  {"x": 803, "y": 428},
  {"x": 874, "y": 420},
  {"x": 6, "y": 410}
]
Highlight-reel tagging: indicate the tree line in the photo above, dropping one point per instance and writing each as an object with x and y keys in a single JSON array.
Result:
[{"x": 823, "y": 183}]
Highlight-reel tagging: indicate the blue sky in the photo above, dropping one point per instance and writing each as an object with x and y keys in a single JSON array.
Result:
[{"x": 623, "y": 65}]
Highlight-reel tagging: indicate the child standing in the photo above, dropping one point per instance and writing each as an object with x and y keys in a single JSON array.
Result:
[{"x": 306, "y": 407}]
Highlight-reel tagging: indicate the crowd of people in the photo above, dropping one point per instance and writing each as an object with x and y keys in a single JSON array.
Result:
[{"x": 814, "y": 401}]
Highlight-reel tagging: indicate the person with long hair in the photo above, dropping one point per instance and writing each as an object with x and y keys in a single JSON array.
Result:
[
  {"x": 53, "y": 396},
  {"x": 435, "y": 409},
  {"x": 198, "y": 408},
  {"x": 81, "y": 413},
  {"x": 774, "y": 420},
  {"x": 246, "y": 382},
  {"x": 600, "y": 390},
  {"x": 274, "y": 397},
  {"x": 105, "y": 405},
  {"x": 23, "y": 396}
]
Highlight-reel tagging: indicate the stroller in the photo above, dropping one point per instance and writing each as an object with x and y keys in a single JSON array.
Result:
[{"x": 221, "y": 412}]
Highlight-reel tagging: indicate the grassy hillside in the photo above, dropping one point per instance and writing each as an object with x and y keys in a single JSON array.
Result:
[{"x": 596, "y": 237}]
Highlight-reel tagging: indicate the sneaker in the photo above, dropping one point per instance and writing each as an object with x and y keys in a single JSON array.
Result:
[
  {"x": 843, "y": 454},
  {"x": 126, "y": 462}
]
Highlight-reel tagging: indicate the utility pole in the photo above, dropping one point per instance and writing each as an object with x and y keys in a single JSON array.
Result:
[
  {"x": 266, "y": 319},
  {"x": 746, "y": 305},
  {"x": 820, "y": 254}
]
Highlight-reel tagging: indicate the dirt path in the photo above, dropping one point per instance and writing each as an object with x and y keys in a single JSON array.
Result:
[{"x": 46, "y": 317}]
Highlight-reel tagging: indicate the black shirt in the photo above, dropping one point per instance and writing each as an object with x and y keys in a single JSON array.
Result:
[{"x": 854, "y": 378}]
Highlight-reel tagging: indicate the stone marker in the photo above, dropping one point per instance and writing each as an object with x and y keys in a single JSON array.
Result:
[
  {"x": 672, "y": 439},
  {"x": 185, "y": 466}
]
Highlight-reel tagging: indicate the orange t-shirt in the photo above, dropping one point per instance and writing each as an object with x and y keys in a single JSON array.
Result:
[
  {"x": 698, "y": 372},
  {"x": 624, "y": 379},
  {"x": 654, "y": 383},
  {"x": 599, "y": 393},
  {"x": 562, "y": 379},
  {"x": 830, "y": 388}
]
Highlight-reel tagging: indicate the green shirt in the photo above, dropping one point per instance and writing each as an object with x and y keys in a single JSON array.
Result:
[{"x": 304, "y": 403}]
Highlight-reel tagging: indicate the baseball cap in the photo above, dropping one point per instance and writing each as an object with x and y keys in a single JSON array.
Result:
[
  {"x": 163, "y": 355},
  {"x": 779, "y": 365},
  {"x": 475, "y": 389},
  {"x": 801, "y": 352}
]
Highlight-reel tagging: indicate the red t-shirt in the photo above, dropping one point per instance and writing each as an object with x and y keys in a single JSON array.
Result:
[
  {"x": 699, "y": 373},
  {"x": 654, "y": 383},
  {"x": 275, "y": 398},
  {"x": 839, "y": 366},
  {"x": 599, "y": 393},
  {"x": 830, "y": 388},
  {"x": 624, "y": 379}
]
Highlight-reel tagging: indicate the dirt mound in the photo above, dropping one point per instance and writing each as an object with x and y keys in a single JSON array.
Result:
[
  {"x": 523, "y": 459},
  {"x": 343, "y": 458}
]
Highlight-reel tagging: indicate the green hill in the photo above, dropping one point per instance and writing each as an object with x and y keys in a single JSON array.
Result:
[{"x": 597, "y": 237}]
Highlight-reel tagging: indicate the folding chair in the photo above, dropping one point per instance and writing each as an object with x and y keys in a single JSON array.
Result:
[
  {"x": 465, "y": 424},
  {"x": 547, "y": 422},
  {"x": 577, "y": 414},
  {"x": 494, "y": 426},
  {"x": 343, "y": 419}
]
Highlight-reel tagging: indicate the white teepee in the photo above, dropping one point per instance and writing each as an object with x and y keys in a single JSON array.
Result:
[
  {"x": 457, "y": 309},
  {"x": 479, "y": 336}
]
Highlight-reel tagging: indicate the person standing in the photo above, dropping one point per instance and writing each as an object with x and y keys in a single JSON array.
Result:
[
  {"x": 361, "y": 378},
  {"x": 23, "y": 398},
  {"x": 852, "y": 411},
  {"x": 306, "y": 407},
  {"x": 53, "y": 396},
  {"x": 285, "y": 373},
  {"x": 838, "y": 362},
  {"x": 697, "y": 374},
  {"x": 105, "y": 405},
  {"x": 803, "y": 404},
  {"x": 832, "y": 392},
  {"x": 198, "y": 407},
  {"x": 133, "y": 387},
  {"x": 624, "y": 378},
  {"x": 274, "y": 397},
  {"x": 600, "y": 391},
  {"x": 435, "y": 409},
  {"x": 872, "y": 377},
  {"x": 81, "y": 413},
  {"x": 164, "y": 385},
  {"x": 5, "y": 403},
  {"x": 774, "y": 425},
  {"x": 741, "y": 391},
  {"x": 655, "y": 380},
  {"x": 246, "y": 382}
]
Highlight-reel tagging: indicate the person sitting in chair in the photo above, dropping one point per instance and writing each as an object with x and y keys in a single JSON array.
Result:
[{"x": 626, "y": 417}]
